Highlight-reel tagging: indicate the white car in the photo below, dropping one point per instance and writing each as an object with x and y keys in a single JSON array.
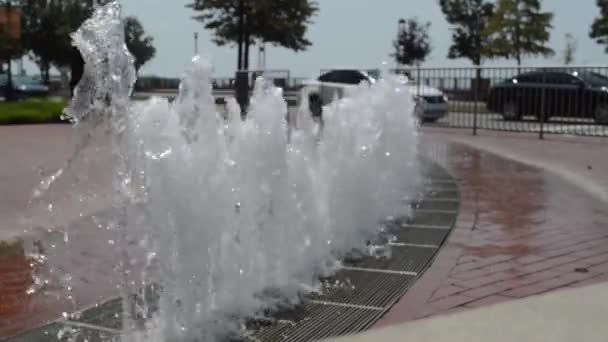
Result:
[{"x": 431, "y": 103}]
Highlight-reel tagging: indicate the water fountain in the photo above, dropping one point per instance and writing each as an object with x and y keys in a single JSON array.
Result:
[{"x": 231, "y": 217}]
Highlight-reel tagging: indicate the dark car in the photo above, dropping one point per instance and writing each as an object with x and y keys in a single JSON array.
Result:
[
  {"x": 547, "y": 94},
  {"x": 24, "y": 87}
]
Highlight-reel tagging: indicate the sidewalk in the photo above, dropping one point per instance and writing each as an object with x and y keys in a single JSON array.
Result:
[
  {"x": 574, "y": 315},
  {"x": 31, "y": 153},
  {"x": 521, "y": 231}
]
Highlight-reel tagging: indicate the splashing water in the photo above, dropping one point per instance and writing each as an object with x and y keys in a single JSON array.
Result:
[{"x": 234, "y": 216}]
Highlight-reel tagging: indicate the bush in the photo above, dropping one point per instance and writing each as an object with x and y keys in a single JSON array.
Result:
[{"x": 31, "y": 111}]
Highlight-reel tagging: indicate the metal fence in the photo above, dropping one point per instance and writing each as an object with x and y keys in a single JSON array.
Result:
[
  {"x": 281, "y": 78},
  {"x": 544, "y": 100}
]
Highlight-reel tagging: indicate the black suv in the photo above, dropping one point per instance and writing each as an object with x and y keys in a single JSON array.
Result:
[{"x": 581, "y": 94}]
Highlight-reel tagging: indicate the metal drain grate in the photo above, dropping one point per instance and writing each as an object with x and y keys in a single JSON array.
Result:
[
  {"x": 319, "y": 322},
  {"x": 402, "y": 259},
  {"x": 350, "y": 301},
  {"x": 444, "y": 204},
  {"x": 421, "y": 236},
  {"x": 432, "y": 219},
  {"x": 363, "y": 288},
  {"x": 107, "y": 315}
]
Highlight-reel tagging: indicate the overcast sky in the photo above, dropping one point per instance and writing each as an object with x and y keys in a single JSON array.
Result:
[{"x": 345, "y": 33}]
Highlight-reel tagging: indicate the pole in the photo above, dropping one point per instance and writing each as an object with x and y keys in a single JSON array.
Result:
[
  {"x": 241, "y": 82},
  {"x": 9, "y": 70},
  {"x": 196, "y": 43},
  {"x": 476, "y": 98},
  {"x": 543, "y": 98},
  {"x": 241, "y": 34}
]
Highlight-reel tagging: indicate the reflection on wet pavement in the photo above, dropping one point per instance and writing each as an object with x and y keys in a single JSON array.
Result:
[
  {"x": 515, "y": 206},
  {"x": 521, "y": 231},
  {"x": 55, "y": 272}
]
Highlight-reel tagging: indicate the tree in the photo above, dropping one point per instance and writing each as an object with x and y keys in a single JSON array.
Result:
[
  {"x": 138, "y": 43},
  {"x": 413, "y": 43},
  {"x": 40, "y": 25},
  {"x": 10, "y": 45},
  {"x": 519, "y": 28},
  {"x": 45, "y": 21},
  {"x": 277, "y": 22},
  {"x": 570, "y": 49},
  {"x": 599, "y": 28},
  {"x": 469, "y": 19}
]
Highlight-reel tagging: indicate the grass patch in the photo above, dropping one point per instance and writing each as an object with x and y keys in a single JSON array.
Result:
[
  {"x": 11, "y": 249},
  {"x": 31, "y": 111}
]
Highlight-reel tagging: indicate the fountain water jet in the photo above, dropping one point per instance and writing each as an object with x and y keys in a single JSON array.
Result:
[{"x": 234, "y": 218}]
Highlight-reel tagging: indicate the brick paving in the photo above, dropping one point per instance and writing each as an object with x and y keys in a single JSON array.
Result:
[{"x": 521, "y": 232}]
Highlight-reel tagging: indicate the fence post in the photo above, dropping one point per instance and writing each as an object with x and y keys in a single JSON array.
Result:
[
  {"x": 476, "y": 97},
  {"x": 541, "y": 116},
  {"x": 418, "y": 81}
]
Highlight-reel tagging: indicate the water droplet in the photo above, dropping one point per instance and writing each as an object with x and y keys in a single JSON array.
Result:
[
  {"x": 388, "y": 154},
  {"x": 307, "y": 241}
]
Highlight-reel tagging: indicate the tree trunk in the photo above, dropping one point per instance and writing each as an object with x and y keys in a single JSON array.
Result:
[
  {"x": 241, "y": 34},
  {"x": 77, "y": 69},
  {"x": 246, "y": 55}
]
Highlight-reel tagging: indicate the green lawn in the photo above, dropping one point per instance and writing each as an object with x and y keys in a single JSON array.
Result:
[{"x": 31, "y": 111}]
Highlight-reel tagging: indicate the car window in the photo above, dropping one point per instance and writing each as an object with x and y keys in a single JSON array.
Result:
[
  {"x": 351, "y": 77},
  {"x": 594, "y": 79},
  {"x": 528, "y": 78},
  {"x": 330, "y": 76},
  {"x": 561, "y": 78}
]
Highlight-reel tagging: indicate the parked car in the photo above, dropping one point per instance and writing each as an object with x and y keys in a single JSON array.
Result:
[
  {"x": 551, "y": 93},
  {"x": 24, "y": 86},
  {"x": 431, "y": 103}
]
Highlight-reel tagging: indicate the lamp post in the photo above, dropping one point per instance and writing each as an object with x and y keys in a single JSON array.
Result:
[
  {"x": 401, "y": 47},
  {"x": 9, "y": 91},
  {"x": 241, "y": 82}
]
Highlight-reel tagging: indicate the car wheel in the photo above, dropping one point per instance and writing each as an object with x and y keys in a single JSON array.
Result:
[
  {"x": 510, "y": 111},
  {"x": 601, "y": 114},
  {"x": 316, "y": 106}
]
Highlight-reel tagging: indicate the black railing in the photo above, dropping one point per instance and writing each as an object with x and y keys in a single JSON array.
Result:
[{"x": 544, "y": 100}]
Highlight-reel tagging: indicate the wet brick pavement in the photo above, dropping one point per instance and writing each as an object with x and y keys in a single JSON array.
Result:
[{"x": 521, "y": 232}]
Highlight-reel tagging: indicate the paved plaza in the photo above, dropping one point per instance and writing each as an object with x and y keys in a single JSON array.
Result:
[{"x": 531, "y": 220}]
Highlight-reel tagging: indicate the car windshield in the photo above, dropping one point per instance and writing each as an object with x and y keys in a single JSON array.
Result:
[
  {"x": 26, "y": 81},
  {"x": 593, "y": 78},
  {"x": 374, "y": 74}
]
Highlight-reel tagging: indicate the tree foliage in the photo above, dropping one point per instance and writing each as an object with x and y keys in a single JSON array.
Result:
[
  {"x": 139, "y": 44},
  {"x": 599, "y": 28},
  {"x": 46, "y": 29},
  {"x": 413, "y": 43},
  {"x": 46, "y": 34},
  {"x": 519, "y": 28},
  {"x": 10, "y": 48},
  {"x": 278, "y": 22},
  {"x": 469, "y": 19}
]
